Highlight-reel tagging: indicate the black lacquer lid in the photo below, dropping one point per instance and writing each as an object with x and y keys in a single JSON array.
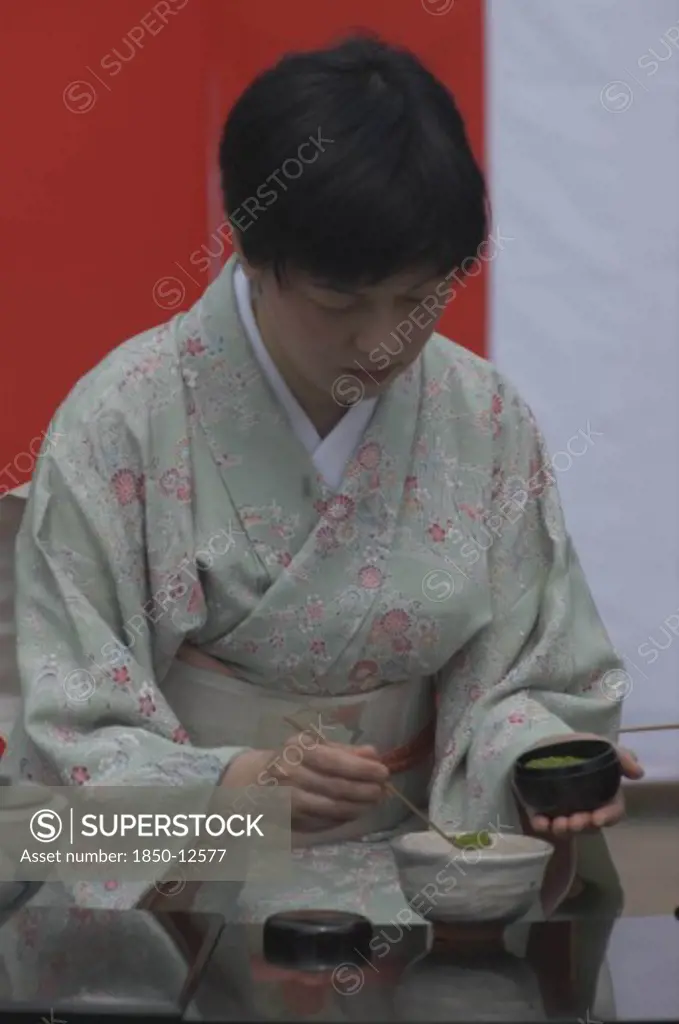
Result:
[{"x": 314, "y": 939}]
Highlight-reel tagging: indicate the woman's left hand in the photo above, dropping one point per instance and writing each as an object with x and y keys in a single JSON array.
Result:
[{"x": 587, "y": 820}]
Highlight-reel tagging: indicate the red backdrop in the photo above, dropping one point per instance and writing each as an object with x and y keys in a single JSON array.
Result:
[{"x": 107, "y": 182}]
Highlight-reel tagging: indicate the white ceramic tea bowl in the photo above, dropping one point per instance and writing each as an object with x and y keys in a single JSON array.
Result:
[{"x": 498, "y": 883}]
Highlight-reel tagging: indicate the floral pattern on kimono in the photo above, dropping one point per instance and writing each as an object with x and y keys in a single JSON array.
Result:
[{"x": 331, "y": 593}]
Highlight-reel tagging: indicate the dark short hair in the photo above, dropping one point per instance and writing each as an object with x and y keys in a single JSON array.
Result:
[{"x": 390, "y": 185}]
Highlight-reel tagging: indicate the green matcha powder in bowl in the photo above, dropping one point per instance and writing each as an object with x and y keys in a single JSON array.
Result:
[
  {"x": 472, "y": 840},
  {"x": 555, "y": 762}
]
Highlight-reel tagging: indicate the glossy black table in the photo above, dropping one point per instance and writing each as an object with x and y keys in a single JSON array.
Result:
[
  {"x": 535, "y": 977},
  {"x": 214, "y": 971}
]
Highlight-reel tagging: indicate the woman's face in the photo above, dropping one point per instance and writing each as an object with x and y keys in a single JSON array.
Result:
[{"x": 348, "y": 344}]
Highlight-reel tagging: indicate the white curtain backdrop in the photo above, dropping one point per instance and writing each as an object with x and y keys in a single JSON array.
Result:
[{"x": 583, "y": 137}]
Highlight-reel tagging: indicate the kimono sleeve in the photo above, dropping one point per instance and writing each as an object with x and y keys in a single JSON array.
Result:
[
  {"x": 93, "y": 711},
  {"x": 541, "y": 667}
]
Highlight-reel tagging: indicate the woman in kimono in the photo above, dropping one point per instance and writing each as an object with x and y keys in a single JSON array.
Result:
[{"x": 297, "y": 498}]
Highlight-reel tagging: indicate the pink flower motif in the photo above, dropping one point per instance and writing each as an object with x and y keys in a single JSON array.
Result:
[
  {"x": 315, "y": 610},
  {"x": 80, "y": 774},
  {"x": 364, "y": 671},
  {"x": 370, "y": 577},
  {"x": 126, "y": 486},
  {"x": 169, "y": 481},
  {"x": 436, "y": 532},
  {"x": 284, "y": 559},
  {"x": 111, "y": 885},
  {"x": 516, "y": 718},
  {"x": 146, "y": 705},
  {"x": 402, "y": 645},
  {"x": 120, "y": 675},
  {"x": 180, "y": 735},
  {"x": 410, "y": 483},
  {"x": 538, "y": 478},
  {"x": 317, "y": 647},
  {"x": 475, "y": 692},
  {"x": 184, "y": 490},
  {"x": 338, "y": 508},
  {"x": 252, "y": 519},
  {"x": 395, "y": 622},
  {"x": 369, "y": 455},
  {"x": 497, "y": 405},
  {"x": 469, "y": 510},
  {"x": 433, "y": 389},
  {"x": 195, "y": 347}
]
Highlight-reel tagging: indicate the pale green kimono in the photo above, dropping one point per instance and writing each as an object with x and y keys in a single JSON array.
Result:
[{"x": 179, "y": 505}]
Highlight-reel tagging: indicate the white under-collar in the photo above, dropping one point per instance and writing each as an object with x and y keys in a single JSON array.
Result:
[{"x": 330, "y": 454}]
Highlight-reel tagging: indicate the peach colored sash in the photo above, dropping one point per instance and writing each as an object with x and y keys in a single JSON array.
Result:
[{"x": 398, "y": 719}]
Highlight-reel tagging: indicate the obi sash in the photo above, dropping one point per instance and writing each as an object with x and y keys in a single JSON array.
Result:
[{"x": 398, "y": 719}]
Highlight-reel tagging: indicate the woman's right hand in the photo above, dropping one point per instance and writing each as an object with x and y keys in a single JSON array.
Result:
[{"x": 333, "y": 783}]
